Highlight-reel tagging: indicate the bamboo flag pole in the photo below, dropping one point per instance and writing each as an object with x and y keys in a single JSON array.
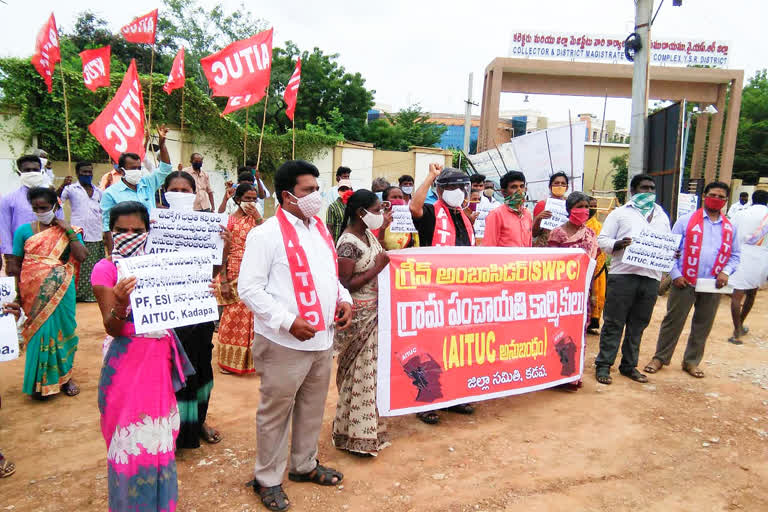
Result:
[
  {"x": 182, "y": 112},
  {"x": 293, "y": 133},
  {"x": 66, "y": 118},
  {"x": 151, "y": 70},
  {"x": 263, "y": 123},
  {"x": 245, "y": 136}
]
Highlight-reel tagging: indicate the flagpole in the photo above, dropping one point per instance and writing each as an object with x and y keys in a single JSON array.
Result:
[
  {"x": 66, "y": 118},
  {"x": 263, "y": 123},
  {"x": 151, "y": 70},
  {"x": 293, "y": 132},
  {"x": 182, "y": 112},
  {"x": 245, "y": 135}
]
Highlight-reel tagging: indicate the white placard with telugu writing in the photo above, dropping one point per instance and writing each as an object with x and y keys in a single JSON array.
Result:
[
  {"x": 175, "y": 230},
  {"x": 559, "y": 215},
  {"x": 9, "y": 337},
  {"x": 402, "y": 222},
  {"x": 686, "y": 203},
  {"x": 483, "y": 209},
  {"x": 172, "y": 290},
  {"x": 652, "y": 249}
]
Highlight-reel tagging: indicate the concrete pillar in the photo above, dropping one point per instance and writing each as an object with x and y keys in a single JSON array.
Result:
[
  {"x": 715, "y": 134},
  {"x": 731, "y": 129},
  {"x": 490, "y": 113},
  {"x": 700, "y": 140}
]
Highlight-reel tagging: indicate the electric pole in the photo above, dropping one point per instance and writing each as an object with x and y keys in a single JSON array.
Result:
[
  {"x": 640, "y": 78},
  {"x": 468, "y": 115}
]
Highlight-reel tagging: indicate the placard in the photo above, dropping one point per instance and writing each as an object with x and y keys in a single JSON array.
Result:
[
  {"x": 172, "y": 290},
  {"x": 559, "y": 214},
  {"x": 483, "y": 209},
  {"x": 652, "y": 249},
  {"x": 402, "y": 222},
  {"x": 9, "y": 337},
  {"x": 704, "y": 285},
  {"x": 175, "y": 230},
  {"x": 686, "y": 203}
]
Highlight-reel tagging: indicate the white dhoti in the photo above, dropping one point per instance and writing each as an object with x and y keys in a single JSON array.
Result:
[{"x": 753, "y": 268}]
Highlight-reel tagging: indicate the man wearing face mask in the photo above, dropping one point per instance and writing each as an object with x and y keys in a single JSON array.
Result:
[
  {"x": 134, "y": 185},
  {"x": 334, "y": 217},
  {"x": 511, "y": 224},
  {"x": 289, "y": 279},
  {"x": 710, "y": 249},
  {"x": 489, "y": 187},
  {"x": 406, "y": 185},
  {"x": 46, "y": 166},
  {"x": 85, "y": 200},
  {"x": 15, "y": 209},
  {"x": 631, "y": 290},
  {"x": 204, "y": 194}
]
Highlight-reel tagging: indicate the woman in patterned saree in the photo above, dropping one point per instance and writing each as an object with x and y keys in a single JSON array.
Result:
[
  {"x": 236, "y": 325},
  {"x": 599, "y": 280},
  {"x": 139, "y": 416},
  {"x": 46, "y": 254},
  {"x": 357, "y": 427}
]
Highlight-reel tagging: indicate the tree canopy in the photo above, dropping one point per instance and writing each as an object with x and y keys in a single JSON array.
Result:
[
  {"x": 751, "y": 158},
  {"x": 398, "y": 132}
]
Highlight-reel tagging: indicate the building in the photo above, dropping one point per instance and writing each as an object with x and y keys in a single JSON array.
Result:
[{"x": 454, "y": 134}]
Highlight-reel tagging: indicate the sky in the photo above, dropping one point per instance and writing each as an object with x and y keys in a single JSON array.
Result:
[{"x": 421, "y": 51}]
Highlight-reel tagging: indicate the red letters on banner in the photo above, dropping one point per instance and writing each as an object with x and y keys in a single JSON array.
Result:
[
  {"x": 47, "y": 51},
  {"x": 142, "y": 29},
  {"x": 120, "y": 127},
  {"x": 241, "y": 68},
  {"x": 176, "y": 77},
  {"x": 237, "y": 102},
  {"x": 96, "y": 67},
  {"x": 292, "y": 91},
  {"x": 451, "y": 331}
]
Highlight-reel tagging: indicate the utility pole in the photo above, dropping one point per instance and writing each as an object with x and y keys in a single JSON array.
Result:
[
  {"x": 637, "y": 150},
  {"x": 468, "y": 115}
]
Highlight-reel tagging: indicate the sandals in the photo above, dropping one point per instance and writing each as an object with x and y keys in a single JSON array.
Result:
[
  {"x": 7, "y": 468},
  {"x": 694, "y": 371},
  {"x": 70, "y": 388},
  {"x": 604, "y": 378},
  {"x": 274, "y": 498},
  {"x": 210, "y": 435},
  {"x": 635, "y": 375},
  {"x": 428, "y": 417},
  {"x": 461, "y": 409},
  {"x": 654, "y": 366},
  {"x": 735, "y": 340},
  {"x": 320, "y": 476}
]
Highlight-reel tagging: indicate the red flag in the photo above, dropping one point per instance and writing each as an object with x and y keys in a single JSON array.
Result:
[
  {"x": 238, "y": 102},
  {"x": 120, "y": 127},
  {"x": 96, "y": 67},
  {"x": 292, "y": 91},
  {"x": 47, "y": 51},
  {"x": 176, "y": 77},
  {"x": 241, "y": 68},
  {"x": 142, "y": 29}
]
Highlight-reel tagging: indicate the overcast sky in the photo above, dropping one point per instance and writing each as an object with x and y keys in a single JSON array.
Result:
[{"x": 421, "y": 51}]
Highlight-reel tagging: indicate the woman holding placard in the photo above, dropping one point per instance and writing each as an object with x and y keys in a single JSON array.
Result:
[
  {"x": 395, "y": 197},
  {"x": 46, "y": 257},
  {"x": 236, "y": 324},
  {"x": 558, "y": 186},
  {"x": 139, "y": 413}
]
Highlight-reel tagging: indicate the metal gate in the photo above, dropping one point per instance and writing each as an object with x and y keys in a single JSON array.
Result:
[{"x": 663, "y": 157}]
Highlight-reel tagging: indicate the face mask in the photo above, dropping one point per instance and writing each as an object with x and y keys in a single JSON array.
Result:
[
  {"x": 85, "y": 180},
  {"x": 380, "y": 195},
  {"x": 559, "y": 190},
  {"x": 644, "y": 202},
  {"x": 128, "y": 244},
  {"x": 714, "y": 203},
  {"x": 249, "y": 208},
  {"x": 453, "y": 198},
  {"x": 373, "y": 220},
  {"x": 310, "y": 205},
  {"x": 184, "y": 201},
  {"x": 397, "y": 202},
  {"x": 133, "y": 176},
  {"x": 407, "y": 190},
  {"x": 514, "y": 201},
  {"x": 578, "y": 216},
  {"x": 45, "y": 218},
  {"x": 32, "y": 179},
  {"x": 197, "y": 165},
  {"x": 488, "y": 193}
]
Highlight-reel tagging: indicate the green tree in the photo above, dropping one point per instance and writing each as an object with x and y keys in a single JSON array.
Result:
[
  {"x": 751, "y": 158},
  {"x": 620, "y": 171},
  {"x": 398, "y": 132}
]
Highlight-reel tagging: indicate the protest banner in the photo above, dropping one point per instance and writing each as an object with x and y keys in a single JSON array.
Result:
[
  {"x": 141, "y": 29},
  {"x": 461, "y": 324},
  {"x": 176, "y": 77},
  {"x": 652, "y": 249},
  {"x": 96, "y": 67},
  {"x": 47, "y": 52},
  {"x": 292, "y": 91},
  {"x": 235, "y": 103},
  {"x": 402, "y": 222},
  {"x": 172, "y": 290},
  {"x": 559, "y": 214},
  {"x": 241, "y": 68},
  {"x": 483, "y": 209},
  {"x": 174, "y": 230},
  {"x": 9, "y": 338}
]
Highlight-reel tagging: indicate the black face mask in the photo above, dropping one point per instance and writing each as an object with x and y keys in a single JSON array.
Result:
[
  {"x": 197, "y": 165},
  {"x": 592, "y": 212}
]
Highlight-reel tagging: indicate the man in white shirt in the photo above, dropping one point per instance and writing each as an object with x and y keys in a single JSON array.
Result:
[
  {"x": 631, "y": 291},
  {"x": 752, "y": 229},
  {"x": 289, "y": 280},
  {"x": 742, "y": 205}
]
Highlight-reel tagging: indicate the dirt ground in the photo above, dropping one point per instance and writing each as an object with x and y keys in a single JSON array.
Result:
[{"x": 677, "y": 443}]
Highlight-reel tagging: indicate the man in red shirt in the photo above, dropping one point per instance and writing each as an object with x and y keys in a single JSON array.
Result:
[{"x": 510, "y": 225}]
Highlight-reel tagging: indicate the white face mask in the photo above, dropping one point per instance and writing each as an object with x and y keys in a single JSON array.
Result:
[
  {"x": 47, "y": 217},
  {"x": 184, "y": 201},
  {"x": 32, "y": 179},
  {"x": 407, "y": 190},
  {"x": 373, "y": 220},
  {"x": 133, "y": 176},
  {"x": 453, "y": 198},
  {"x": 310, "y": 205}
]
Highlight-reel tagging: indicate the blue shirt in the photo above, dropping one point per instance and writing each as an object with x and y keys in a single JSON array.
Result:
[
  {"x": 15, "y": 211},
  {"x": 710, "y": 246},
  {"x": 144, "y": 193}
]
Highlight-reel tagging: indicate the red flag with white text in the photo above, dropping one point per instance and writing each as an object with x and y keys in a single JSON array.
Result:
[
  {"x": 142, "y": 29},
  {"x": 120, "y": 126},
  {"x": 292, "y": 91},
  {"x": 237, "y": 102},
  {"x": 47, "y": 51},
  {"x": 96, "y": 67},
  {"x": 176, "y": 77},
  {"x": 241, "y": 68}
]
